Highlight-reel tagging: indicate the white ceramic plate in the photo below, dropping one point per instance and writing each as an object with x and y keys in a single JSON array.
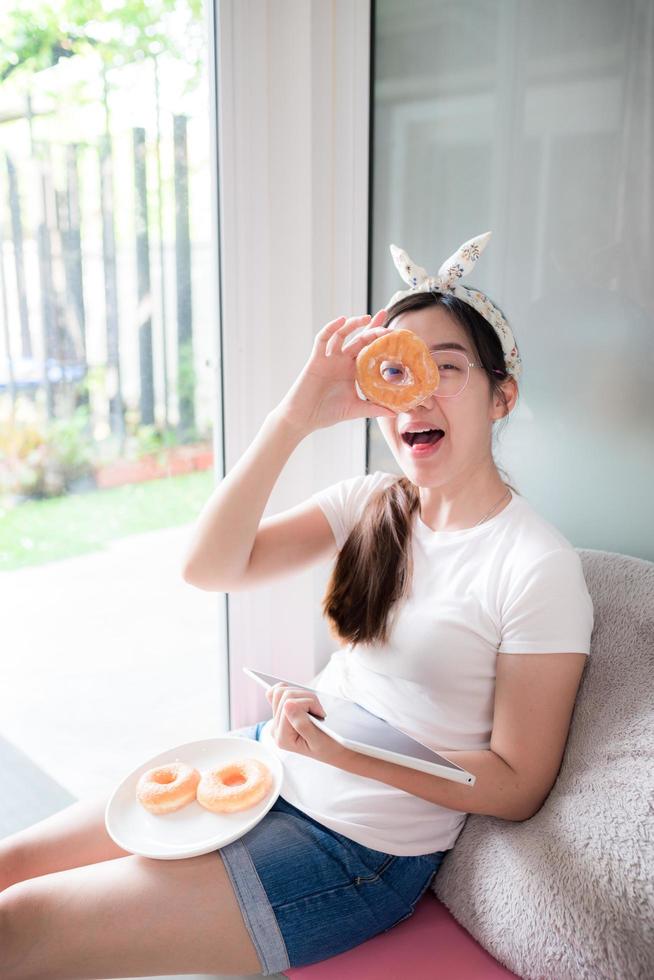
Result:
[{"x": 192, "y": 830}]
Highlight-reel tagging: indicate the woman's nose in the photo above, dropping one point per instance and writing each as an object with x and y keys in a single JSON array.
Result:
[{"x": 429, "y": 401}]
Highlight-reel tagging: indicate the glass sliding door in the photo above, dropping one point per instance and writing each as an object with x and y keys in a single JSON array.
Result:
[
  {"x": 534, "y": 121},
  {"x": 108, "y": 349}
]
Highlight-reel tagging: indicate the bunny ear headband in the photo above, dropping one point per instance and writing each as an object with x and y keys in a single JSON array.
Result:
[{"x": 454, "y": 268}]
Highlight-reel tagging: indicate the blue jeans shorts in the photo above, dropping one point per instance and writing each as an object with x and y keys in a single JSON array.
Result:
[{"x": 307, "y": 892}]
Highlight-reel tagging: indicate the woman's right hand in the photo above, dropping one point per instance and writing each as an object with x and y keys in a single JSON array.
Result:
[{"x": 324, "y": 392}]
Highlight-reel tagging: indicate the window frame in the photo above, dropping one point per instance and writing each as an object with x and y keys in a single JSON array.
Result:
[{"x": 292, "y": 231}]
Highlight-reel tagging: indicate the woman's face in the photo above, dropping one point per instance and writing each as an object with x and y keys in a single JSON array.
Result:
[{"x": 466, "y": 419}]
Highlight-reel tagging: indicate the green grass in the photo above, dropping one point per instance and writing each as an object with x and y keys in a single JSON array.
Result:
[{"x": 39, "y": 531}]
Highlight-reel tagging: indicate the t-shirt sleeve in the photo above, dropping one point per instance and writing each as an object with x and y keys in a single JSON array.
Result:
[
  {"x": 548, "y": 608},
  {"x": 343, "y": 503}
]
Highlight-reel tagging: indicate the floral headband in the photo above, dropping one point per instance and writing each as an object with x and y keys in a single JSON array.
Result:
[{"x": 454, "y": 268}]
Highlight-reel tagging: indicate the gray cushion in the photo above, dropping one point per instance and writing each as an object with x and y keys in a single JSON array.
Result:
[{"x": 569, "y": 894}]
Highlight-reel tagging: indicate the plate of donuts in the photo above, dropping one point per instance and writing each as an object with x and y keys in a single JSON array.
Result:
[{"x": 194, "y": 798}]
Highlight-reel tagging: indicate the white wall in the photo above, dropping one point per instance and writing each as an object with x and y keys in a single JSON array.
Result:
[{"x": 534, "y": 121}]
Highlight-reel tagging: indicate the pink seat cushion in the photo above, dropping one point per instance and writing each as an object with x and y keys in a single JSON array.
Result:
[{"x": 430, "y": 945}]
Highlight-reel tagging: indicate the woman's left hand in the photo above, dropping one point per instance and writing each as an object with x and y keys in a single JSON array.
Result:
[{"x": 294, "y": 731}]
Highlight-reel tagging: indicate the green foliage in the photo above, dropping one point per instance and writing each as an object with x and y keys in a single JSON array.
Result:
[
  {"x": 36, "y": 35},
  {"x": 186, "y": 384},
  {"x": 38, "y": 531},
  {"x": 39, "y": 459},
  {"x": 152, "y": 440},
  {"x": 44, "y": 460},
  {"x": 71, "y": 441}
]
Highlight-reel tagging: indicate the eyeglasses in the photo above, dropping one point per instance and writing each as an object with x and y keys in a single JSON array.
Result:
[{"x": 453, "y": 372}]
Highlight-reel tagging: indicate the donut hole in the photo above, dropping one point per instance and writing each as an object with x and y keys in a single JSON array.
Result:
[
  {"x": 164, "y": 777},
  {"x": 234, "y": 777},
  {"x": 394, "y": 372}
]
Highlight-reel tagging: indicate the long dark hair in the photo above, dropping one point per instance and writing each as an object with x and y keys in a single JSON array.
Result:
[{"x": 374, "y": 568}]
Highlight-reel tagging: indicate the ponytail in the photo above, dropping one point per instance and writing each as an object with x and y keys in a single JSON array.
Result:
[{"x": 374, "y": 568}]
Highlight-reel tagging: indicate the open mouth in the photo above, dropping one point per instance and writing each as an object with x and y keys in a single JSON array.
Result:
[{"x": 429, "y": 438}]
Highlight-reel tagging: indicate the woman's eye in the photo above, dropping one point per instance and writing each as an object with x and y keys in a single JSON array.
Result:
[{"x": 391, "y": 371}]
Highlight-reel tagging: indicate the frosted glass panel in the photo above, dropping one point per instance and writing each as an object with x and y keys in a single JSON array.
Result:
[{"x": 535, "y": 121}]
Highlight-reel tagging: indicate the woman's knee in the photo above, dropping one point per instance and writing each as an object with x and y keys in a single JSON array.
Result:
[
  {"x": 19, "y": 915},
  {"x": 11, "y": 863}
]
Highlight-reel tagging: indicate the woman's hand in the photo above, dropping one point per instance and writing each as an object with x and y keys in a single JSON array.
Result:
[
  {"x": 324, "y": 392},
  {"x": 294, "y": 731}
]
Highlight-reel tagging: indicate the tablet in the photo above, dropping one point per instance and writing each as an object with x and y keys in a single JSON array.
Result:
[{"x": 356, "y": 728}]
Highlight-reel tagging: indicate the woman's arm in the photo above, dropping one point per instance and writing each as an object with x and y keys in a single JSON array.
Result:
[
  {"x": 534, "y": 700},
  {"x": 225, "y": 531},
  {"x": 497, "y": 791},
  {"x": 322, "y": 395}
]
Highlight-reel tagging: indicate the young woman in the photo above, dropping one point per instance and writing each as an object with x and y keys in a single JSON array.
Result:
[{"x": 445, "y": 584}]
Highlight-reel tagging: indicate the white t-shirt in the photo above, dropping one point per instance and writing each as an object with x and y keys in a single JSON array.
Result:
[{"x": 513, "y": 584}]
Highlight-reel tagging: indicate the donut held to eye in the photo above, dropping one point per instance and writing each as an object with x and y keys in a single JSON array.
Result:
[
  {"x": 397, "y": 371},
  {"x": 167, "y": 788},
  {"x": 239, "y": 785}
]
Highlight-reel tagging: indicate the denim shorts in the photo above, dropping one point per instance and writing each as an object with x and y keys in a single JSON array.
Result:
[{"x": 307, "y": 892}]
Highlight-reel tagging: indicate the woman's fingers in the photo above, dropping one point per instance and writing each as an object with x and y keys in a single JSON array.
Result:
[
  {"x": 280, "y": 693},
  {"x": 337, "y": 336},
  {"x": 310, "y": 704},
  {"x": 363, "y": 339},
  {"x": 336, "y": 326},
  {"x": 326, "y": 332},
  {"x": 293, "y": 694},
  {"x": 273, "y": 694},
  {"x": 335, "y": 341}
]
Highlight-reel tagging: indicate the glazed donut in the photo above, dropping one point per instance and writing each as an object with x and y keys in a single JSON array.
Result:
[
  {"x": 167, "y": 788},
  {"x": 413, "y": 374},
  {"x": 236, "y": 786}
]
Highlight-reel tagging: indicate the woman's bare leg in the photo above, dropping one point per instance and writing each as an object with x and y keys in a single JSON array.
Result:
[
  {"x": 130, "y": 918},
  {"x": 71, "y": 838}
]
